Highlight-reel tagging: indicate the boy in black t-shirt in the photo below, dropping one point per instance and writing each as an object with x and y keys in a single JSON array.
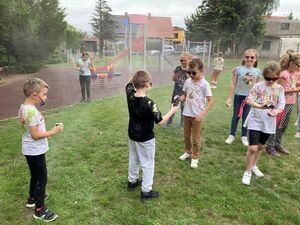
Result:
[{"x": 143, "y": 112}]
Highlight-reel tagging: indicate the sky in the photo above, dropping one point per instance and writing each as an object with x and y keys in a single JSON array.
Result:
[{"x": 79, "y": 12}]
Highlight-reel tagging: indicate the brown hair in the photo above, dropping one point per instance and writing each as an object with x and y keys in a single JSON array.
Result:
[
  {"x": 33, "y": 85},
  {"x": 140, "y": 78},
  {"x": 271, "y": 68},
  {"x": 286, "y": 59},
  {"x": 251, "y": 50},
  {"x": 220, "y": 54},
  {"x": 196, "y": 62}
]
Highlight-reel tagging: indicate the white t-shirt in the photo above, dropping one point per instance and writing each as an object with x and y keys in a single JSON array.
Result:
[
  {"x": 32, "y": 117},
  {"x": 258, "y": 118},
  {"x": 196, "y": 94},
  {"x": 84, "y": 67},
  {"x": 218, "y": 63}
]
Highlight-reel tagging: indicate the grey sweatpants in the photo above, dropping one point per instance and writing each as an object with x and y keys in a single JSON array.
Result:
[{"x": 141, "y": 154}]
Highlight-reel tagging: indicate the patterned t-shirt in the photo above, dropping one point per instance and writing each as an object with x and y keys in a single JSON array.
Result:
[
  {"x": 180, "y": 77},
  {"x": 29, "y": 116},
  {"x": 84, "y": 67},
  {"x": 259, "y": 118},
  {"x": 246, "y": 78},
  {"x": 196, "y": 94},
  {"x": 289, "y": 82}
]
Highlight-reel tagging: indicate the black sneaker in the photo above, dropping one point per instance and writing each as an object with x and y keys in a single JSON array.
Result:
[
  {"x": 44, "y": 214},
  {"x": 132, "y": 186},
  {"x": 30, "y": 202},
  {"x": 149, "y": 195}
]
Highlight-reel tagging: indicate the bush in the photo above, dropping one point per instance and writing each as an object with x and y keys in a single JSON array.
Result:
[
  {"x": 57, "y": 57},
  {"x": 28, "y": 67}
]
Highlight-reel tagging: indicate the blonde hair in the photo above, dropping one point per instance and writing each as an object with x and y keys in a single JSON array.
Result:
[
  {"x": 251, "y": 50},
  {"x": 186, "y": 55},
  {"x": 286, "y": 59},
  {"x": 140, "y": 78},
  {"x": 33, "y": 85},
  {"x": 271, "y": 68}
]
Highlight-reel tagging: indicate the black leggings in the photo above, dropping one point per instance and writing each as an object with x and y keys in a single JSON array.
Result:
[{"x": 38, "y": 180}]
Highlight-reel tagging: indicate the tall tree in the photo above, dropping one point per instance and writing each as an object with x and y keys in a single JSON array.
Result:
[
  {"x": 236, "y": 24},
  {"x": 103, "y": 24}
]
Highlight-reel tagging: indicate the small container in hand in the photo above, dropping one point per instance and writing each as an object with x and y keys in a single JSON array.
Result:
[
  {"x": 60, "y": 124},
  {"x": 176, "y": 100}
]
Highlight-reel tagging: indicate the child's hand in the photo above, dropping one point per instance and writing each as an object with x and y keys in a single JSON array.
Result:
[
  {"x": 272, "y": 113},
  {"x": 199, "y": 117},
  {"x": 228, "y": 102},
  {"x": 174, "y": 108},
  {"x": 58, "y": 128}
]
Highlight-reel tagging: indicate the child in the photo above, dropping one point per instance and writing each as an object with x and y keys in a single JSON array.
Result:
[
  {"x": 267, "y": 101},
  {"x": 290, "y": 66},
  {"x": 179, "y": 77},
  {"x": 196, "y": 91},
  {"x": 143, "y": 112},
  {"x": 218, "y": 67},
  {"x": 243, "y": 79},
  {"x": 35, "y": 145}
]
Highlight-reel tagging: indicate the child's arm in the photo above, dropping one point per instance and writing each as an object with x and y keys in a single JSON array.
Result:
[
  {"x": 210, "y": 103},
  {"x": 166, "y": 117},
  {"x": 37, "y": 134},
  {"x": 231, "y": 88}
]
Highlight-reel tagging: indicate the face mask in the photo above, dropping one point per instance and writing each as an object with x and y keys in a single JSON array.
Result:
[{"x": 42, "y": 102}]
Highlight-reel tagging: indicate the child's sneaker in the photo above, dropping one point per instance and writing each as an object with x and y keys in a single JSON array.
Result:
[
  {"x": 30, "y": 202},
  {"x": 230, "y": 139},
  {"x": 185, "y": 156},
  {"x": 245, "y": 141},
  {"x": 194, "y": 163},
  {"x": 297, "y": 135},
  {"x": 271, "y": 151},
  {"x": 149, "y": 195},
  {"x": 246, "y": 178},
  {"x": 257, "y": 172},
  {"x": 44, "y": 214},
  {"x": 133, "y": 185}
]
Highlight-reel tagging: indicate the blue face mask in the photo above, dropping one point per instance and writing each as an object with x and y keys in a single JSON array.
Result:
[{"x": 42, "y": 102}]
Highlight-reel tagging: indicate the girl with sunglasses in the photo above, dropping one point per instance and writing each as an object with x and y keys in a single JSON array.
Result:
[
  {"x": 243, "y": 79},
  {"x": 290, "y": 66},
  {"x": 266, "y": 100},
  {"x": 179, "y": 78}
]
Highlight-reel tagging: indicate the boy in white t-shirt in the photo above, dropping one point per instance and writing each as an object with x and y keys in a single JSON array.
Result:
[
  {"x": 196, "y": 92},
  {"x": 35, "y": 145},
  {"x": 267, "y": 100}
]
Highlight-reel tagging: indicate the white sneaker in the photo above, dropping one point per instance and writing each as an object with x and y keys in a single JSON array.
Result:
[
  {"x": 230, "y": 139},
  {"x": 246, "y": 178},
  {"x": 257, "y": 172},
  {"x": 194, "y": 163},
  {"x": 245, "y": 141},
  {"x": 185, "y": 156},
  {"x": 297, "y": 135}
]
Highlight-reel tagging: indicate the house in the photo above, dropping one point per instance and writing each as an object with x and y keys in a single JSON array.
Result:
[
  {"x": 179, "y": 37},
  {"x": 281, "y": 34}
]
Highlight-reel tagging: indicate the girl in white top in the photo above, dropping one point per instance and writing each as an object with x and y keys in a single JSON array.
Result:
[
  {"x": 267, "y": 100},
  {"x": 218, "y": 67}
]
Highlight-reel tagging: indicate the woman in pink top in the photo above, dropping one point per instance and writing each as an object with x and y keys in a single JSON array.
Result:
[{"x": 290, "y": 65}]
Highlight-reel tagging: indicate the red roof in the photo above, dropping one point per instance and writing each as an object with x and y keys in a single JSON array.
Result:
[
  {"x": 137, "y": 19},
  {"x": 159, "y": 27},
  {"x": 92, "y": 38}
]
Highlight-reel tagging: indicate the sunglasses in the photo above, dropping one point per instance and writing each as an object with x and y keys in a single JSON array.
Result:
[
  {"x": 271, "y": 79},
  {"x": 297, "y": 65},
  {"x": 182, "y": 60},
  {"x": 250, "y": 57},
  {"x": 191, "y": 72}
]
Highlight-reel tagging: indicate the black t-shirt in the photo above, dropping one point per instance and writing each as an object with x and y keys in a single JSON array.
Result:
[{"x": 143, "y": 112}]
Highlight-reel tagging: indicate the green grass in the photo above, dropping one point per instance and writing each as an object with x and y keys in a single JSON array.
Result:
[{"x": 87, "y": 169}]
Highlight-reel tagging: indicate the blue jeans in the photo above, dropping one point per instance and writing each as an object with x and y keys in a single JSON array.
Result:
[{"x": 237, "y": 102}]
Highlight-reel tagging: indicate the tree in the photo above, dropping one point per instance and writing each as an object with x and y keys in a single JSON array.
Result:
[
  {"x": 103, "y": 24},
  {"x": 73, "y": 37},
  {"x": 291, "y": 16},
  {"x": 236, "y": 24}
]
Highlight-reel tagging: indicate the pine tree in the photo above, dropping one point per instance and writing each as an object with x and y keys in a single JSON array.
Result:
[{"x": 103, "y": 24}]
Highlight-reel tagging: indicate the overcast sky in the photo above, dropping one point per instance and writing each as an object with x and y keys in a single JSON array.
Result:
[{"x": 79, "y": 12}]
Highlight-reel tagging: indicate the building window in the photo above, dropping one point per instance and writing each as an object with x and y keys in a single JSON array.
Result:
[
  {"x": 176, "y": 35},
  {"x": 266, "y": 45},
  {"x": 285, "y": 26}
]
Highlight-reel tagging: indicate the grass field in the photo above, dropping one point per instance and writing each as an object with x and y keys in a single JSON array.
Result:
[{"x": 87, "y": 171}]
